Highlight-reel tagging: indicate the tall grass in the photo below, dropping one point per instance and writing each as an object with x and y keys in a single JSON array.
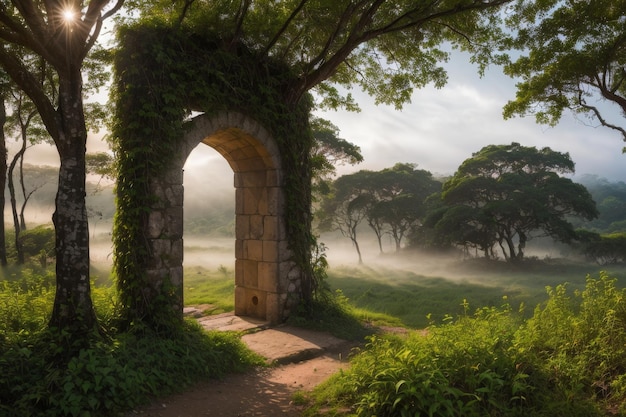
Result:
[{"x": 568, "y": 359}]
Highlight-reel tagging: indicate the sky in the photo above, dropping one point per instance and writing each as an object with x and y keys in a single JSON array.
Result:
[
  {"x": 441, "y": 128},
  {"x": 437, "y": 131}
]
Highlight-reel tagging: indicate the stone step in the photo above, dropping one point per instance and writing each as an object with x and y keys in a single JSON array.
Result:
[{"x": 280, "y": 344}]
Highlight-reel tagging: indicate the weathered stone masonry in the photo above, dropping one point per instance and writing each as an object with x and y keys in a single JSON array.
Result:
[{"x": 266, "y": 279}]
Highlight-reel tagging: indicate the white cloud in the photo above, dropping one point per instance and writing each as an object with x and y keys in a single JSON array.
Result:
[{"x": 441, "y": 128}]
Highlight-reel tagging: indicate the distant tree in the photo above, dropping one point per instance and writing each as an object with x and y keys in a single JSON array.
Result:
[
  {"x": 398, "y": 195},
  {"x": 603, "y": 249},
  {"x": 611, "y": 200},
  {"x": 389, "y": 201},
  {"x": 507, "y": 194},
  {"x": 346, "y": 206},
  {"x": 3, "y": 171},
  {"x": 22, "y": 121},
  {"x": 573, "y": 54}
]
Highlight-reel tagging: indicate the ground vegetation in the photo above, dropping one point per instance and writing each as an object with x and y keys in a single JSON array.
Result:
[{"x": 567, "y": 359}]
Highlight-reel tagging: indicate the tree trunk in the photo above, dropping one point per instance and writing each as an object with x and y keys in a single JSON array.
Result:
[
  {"x": 16, "y": 223},
  {"x": 3, "y": 181},
  {"x": 23, "y": 187},
  {"x": 358, "y": 250},
  {"x": 73, "y": 308}
]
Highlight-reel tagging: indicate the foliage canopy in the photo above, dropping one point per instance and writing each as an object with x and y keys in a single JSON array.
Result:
[
  {"x": 504, "y": 194},
  {"x": 573, "y": 54}
]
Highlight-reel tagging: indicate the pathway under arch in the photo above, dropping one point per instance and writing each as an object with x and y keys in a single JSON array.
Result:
[{"x": 266, "y": 279}]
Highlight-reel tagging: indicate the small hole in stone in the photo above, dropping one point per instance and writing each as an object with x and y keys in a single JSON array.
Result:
[{"x": 255, "y": 300}]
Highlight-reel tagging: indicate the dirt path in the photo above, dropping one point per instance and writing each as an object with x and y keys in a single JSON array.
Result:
[
  {"x": 307, "y": 358},
  {"x": 262, "y": 392}
]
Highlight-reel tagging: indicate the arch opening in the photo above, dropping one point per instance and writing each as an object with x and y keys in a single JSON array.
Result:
[{"x": 262, "y": 258}]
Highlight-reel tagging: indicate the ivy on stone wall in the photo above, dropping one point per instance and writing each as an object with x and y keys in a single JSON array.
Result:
[{"x": 161, "y": 75}]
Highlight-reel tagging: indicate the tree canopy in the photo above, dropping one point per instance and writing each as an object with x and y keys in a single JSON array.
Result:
[
  {"x": 573, "y": 56},
  {"x": 390, "y": 201},
  {"x": 505, "y": 195},
  {"x": 388, "y": 48}
]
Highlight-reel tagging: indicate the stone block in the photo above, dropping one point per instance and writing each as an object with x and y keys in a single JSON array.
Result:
[
  {"x": 250, "y": 274},
  {"x": 176, "y": 252},
  {"x": 253, "y": 179},
  {"x": 275, "y": 201},
  {"x": 240, "y": 301},
  {"x": 239, "y": 272},
  {"x": 176, "y": 276},
  {"x": 175, "y": 194},
  {"x": 273, "y": 310},
  {"x": 174, "y": 226},
  {"x": 268, "y": 279},
  {"x": 239, "y": 201},
  {"x": 273, "y": 178},
  {"x": 253, "y": 250},
  {"x": 270, "y": 251},
  {"x": 239, "y": 248},
  {"x": 256, "y": 227},
  {"x": 242, "y": 226},
  {"x": 284, "y": 250},
  {"x": 156, "y": 224},
  {"x": 251, "y": 200},
  {"x": 263, "y": 203},
  {"x": 270, "y": 228}
]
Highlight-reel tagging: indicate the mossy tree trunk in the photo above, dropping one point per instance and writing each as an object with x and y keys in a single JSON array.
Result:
[{"x": 73, "y": 307}]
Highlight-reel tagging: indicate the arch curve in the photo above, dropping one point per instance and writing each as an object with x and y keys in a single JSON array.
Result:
[{"x": 265, "y": 275}]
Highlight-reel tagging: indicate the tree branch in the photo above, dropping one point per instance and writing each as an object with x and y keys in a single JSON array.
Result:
[
  {"x": 284, "y": 27},
  {"x": 25, "y": 81},
  {"x": 358, "y": 37},
  {"x": 596, "y": 112}
]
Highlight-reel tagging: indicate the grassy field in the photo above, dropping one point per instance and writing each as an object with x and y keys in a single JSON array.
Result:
[{"x": 414, "y": 292}]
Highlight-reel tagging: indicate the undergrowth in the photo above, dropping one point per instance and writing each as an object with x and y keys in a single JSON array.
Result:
[
  {"x": 44, "y": 373},
  {"x": 568, "y": 359}
]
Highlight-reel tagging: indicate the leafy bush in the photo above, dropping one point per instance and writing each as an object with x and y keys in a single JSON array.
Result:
[
  {"x": 26, "y": 301},
  {"x": 37, "y": 240},
  {"x": 569, "y": 359},
  {"x": 43, "y": 373},
  {"x": 579, "y": 342},
  {"x": 461, "y": 368}
]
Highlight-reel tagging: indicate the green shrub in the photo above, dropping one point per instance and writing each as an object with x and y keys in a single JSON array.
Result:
[
  {"x": 43, "y": 373},
  {"x": 112, "y": 376},
  {"x": 460, "y": 368},
  {"x": 569, "y": 359},
  {"x": 26, "y": 302},
  {"x": 579, "y": 341},
  {"x": 37, "y": 240},
  {"x": 603, "y": 249}
]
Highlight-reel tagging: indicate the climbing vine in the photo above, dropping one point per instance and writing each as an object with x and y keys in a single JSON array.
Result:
[{"x": 161, "y": 75}]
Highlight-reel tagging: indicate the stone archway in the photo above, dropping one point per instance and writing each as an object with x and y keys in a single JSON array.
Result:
[{"x": 265, "y": 275}]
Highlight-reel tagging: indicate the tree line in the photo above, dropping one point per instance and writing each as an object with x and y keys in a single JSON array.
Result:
[{"x": 495, "y": 203}]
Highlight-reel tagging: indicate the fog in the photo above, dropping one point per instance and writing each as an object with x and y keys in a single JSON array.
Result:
[{"x": 209, "y": 225}]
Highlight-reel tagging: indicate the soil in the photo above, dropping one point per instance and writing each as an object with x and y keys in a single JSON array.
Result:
[
  {"x": 299, "y": 360},
  {"x": 261, "y": 392}
]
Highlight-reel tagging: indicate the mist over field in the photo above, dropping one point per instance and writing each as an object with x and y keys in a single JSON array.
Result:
[{"x": 209, "y": 238}]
